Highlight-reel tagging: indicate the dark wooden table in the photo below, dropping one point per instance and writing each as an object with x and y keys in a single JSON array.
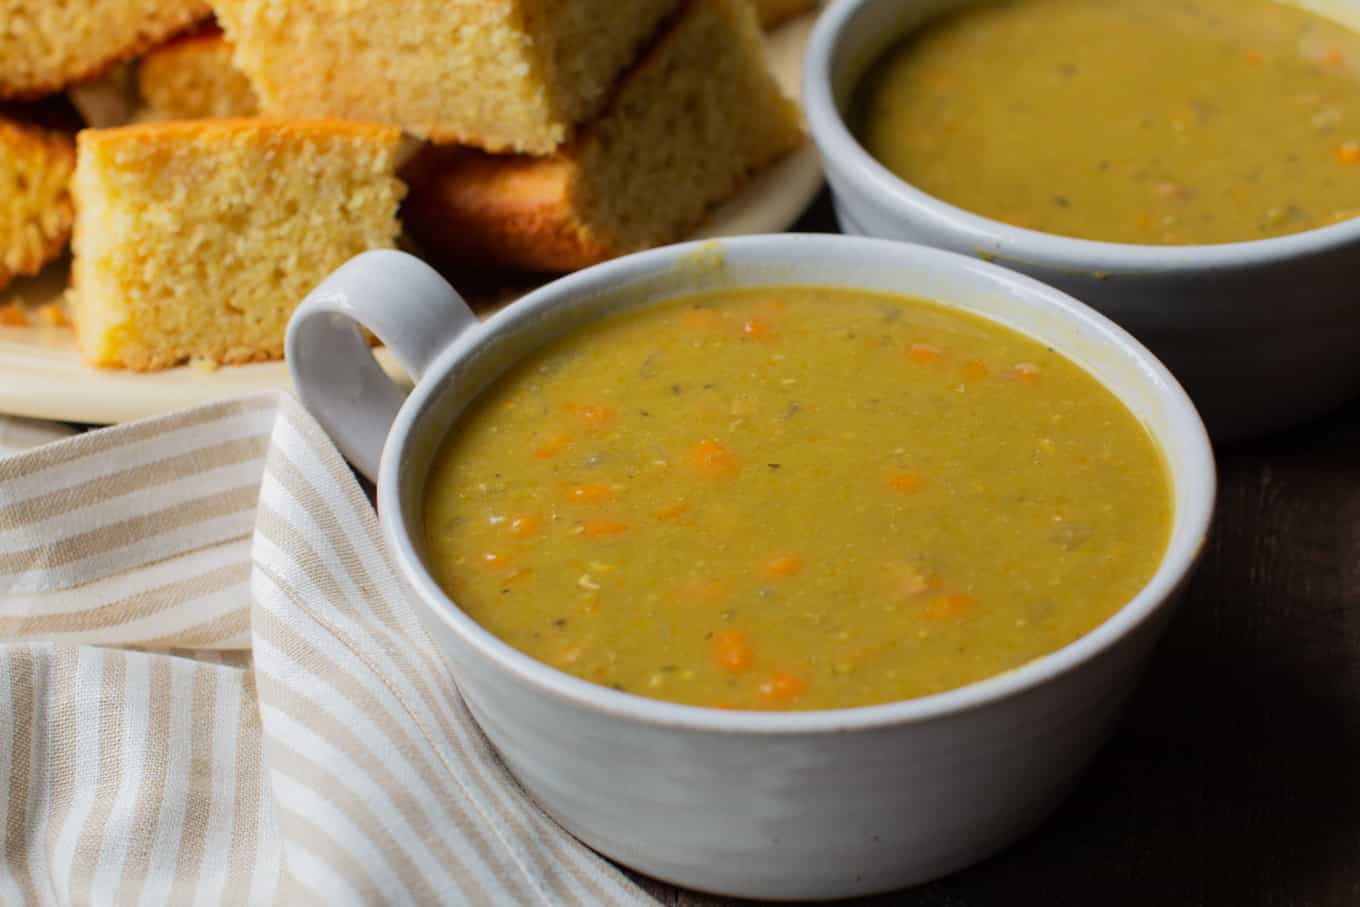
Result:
[{"x": 1234, "y": 780}]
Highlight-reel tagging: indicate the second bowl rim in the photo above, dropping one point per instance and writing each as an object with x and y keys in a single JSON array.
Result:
[
  {"x": 1173, "y": 569},
  {"x": 844, "y": 156}
]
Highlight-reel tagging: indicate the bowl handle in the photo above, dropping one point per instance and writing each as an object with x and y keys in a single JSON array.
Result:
[{"x": 410, "y": 308}]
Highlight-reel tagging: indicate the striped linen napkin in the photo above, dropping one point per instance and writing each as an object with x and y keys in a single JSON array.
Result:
[
  {"x": 212, "y": 691},
  {"x": 21, "y": 434}
]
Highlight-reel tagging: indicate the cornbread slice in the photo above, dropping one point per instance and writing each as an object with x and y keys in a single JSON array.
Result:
[
  {"x": 504, "y": 75},
  {"x": 35, "y": 205},
  {"x": 192, "y": 78},
  {"x": 687, "y": 126},
  {"x": 196, "y": 240},
  {"x": 773, "y": 12},
  {"x": 50, "y": 44},
  {"x": 108, "y": 101}
]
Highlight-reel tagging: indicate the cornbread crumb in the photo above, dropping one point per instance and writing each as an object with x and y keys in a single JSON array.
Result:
[
  {"x": 773, "y": 12},
  {"x": 510, "y": 75},
  {"x": 196, "y": 240},
  {"x": 46, "y": 46},
  {"x": 13, "y": 315},
  {"x": 53, "y": 315},
  {"x": 35, "y": 205},
  {"x": 192, "y": 78},
  {"x": 687, "y": 126}
]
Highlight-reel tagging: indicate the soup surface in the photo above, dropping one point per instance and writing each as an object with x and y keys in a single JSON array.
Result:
[
  {"x": 794, "y": 499},
  {"x": 1135, "y": 121}
]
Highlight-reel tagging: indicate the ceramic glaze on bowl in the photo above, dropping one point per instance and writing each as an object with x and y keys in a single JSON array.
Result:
[
  {"x": 1262, "y": 334},
  {"x": 808, "y": 805}
]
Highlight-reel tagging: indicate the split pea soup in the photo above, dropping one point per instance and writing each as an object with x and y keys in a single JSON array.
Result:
[
  {"x": 1155, "y": 122},
  {"x": 794, "y": 499}
]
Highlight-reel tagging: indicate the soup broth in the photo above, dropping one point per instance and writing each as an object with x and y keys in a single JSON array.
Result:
[
  {"x": 1133, "y": 121},
  {"x": 794, "y": 499}
]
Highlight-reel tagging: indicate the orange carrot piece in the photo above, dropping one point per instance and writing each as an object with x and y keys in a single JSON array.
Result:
[
  {"x": 553, "y": 446},
  {"x": 905, "y": 482},
  {"x": 732, "y": 651},
  {"x": 781, "y": 687},
  {"x": 975, "y": 370},
  {"x": 784, "y": 565},
  {"x": 671, "y": 511},
  {"x": 1348, "y": 152},
  {"x": 521, "y": 526},
  {"x": 589, "y": 494},
  {"x": 949, "y": 607},
  {"x": 712, "y": 460},
  {"x": 1254, "y": 58},
  {"x": 1025, "y": 372},
  {"x": 598, "y": 528},
  {"x": 13, "y": 316},
  {"x": 757, "y": 328},
  {"x": 1335, "y": 57},
  {"x": 924, "y": 353}
]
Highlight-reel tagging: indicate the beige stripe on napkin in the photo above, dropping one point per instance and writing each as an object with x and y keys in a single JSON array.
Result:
[{"x": 212, "y": 691}]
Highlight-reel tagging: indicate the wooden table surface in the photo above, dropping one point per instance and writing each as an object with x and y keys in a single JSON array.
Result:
[{"x": 1234, "y": 779}]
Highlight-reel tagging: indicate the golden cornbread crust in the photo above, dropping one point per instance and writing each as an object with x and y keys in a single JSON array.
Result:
[
  {"x": 47, "y": 46},
  {"x": 508, "y": 75},
  {"x": 774, "y": 12},
  {"x": 687, "y": 126},
  {"x": 35, "y": 204},
  {"x": 195, "y": 240},
  {"x": 193, "y": 78},
  {"x": 503, "y": 212}
]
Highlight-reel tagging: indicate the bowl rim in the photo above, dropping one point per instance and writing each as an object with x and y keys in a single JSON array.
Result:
[
  {"x": 1196, "y": 474},
  {"x": 845, "y": 159}
]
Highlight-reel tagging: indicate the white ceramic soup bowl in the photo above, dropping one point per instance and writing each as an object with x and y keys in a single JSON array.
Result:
[
  {"x": 1262, "y": 334},
  {"x": 768, "y": 805}
]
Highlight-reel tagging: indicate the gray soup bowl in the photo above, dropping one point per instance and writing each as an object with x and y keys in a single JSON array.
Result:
[
  {"x": 804, "y": 805},
  {"x": 1262, "y": 334}
]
